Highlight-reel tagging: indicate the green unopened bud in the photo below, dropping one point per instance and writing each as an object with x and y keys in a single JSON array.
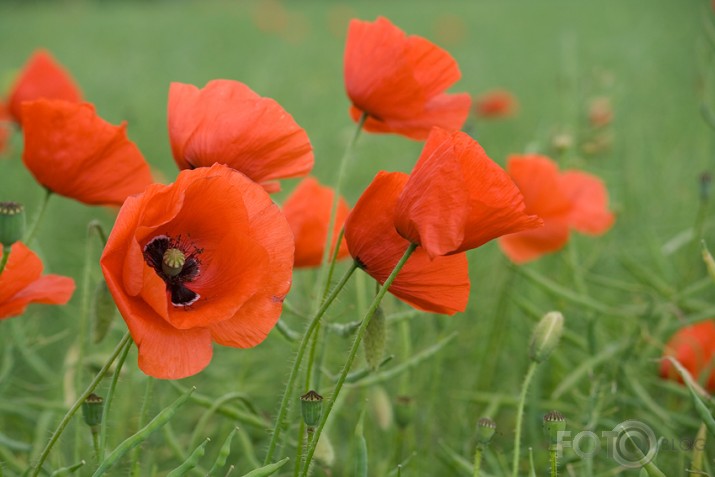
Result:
[
  {"x": 485, "y": 430},
  {"x": 173, "y": 261},
  {"x": 546, "y": 336},
  {"x": 103, "y": 311},
  {"x": 374, "y": 340},
  {"x": 12, "y": 222},
  {"x": 92, "y": 409},
  {"x": 404, "y": 411},
  {"x": 382, "y": 407},
  {"x": 324, "y": 451},
  {"x": 311, "y": 404},
  {"x": 554, "y": 422}
]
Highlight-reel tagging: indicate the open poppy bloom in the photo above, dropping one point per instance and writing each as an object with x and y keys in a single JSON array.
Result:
[
  {"x": 227, "y": 123},
  {"x": 75, "y": 153},
  {"x": 565, "y": 200},
  {"x": 439, "y": 286},
  {"x": 207, "y": 258},
  {"x": 399, "y": 81},
  {"x": 22, "y": 283},
  {"x": 457, "y": 198},
  {"x": 694, "y": 347},
  {"x": 42, "y": 77},
  {"x": 498, "y": 103},
  {"x": 307, "y": 210}
]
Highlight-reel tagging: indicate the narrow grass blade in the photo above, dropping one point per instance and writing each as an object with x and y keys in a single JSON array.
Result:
[
  {"x": 269, "y": 469},
  {"x": 191, "y": 462}
]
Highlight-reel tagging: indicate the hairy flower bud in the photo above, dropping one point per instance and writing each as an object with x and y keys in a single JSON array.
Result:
[{"x": 546, "y": 336}]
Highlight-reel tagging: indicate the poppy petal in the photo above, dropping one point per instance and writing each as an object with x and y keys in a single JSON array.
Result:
[
  {"x": 399, "y": 81},
  {"x": 589, "y": 198},
  {"x": 226, "y": 122},
  {"x": 528, "y": 245},
  {"x": 21, "y": 283},
  {"x": 41, "y": 77},
  {"x": 73, "y": 152},
  {"x": 457, "y": 198},
  {"x": 439, "y": 285},
  {"x": 307, "y": 210},
  {"x": 694, "y": 347}
]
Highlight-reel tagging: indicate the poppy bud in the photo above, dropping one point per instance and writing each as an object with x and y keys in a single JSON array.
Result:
[
  {"x": 486, "y": 428},
  {"x": 311, "y": 404},
  {"x": 554, "y": 422},
  {"x": 92, "y": 409},
  {"x": 546, "y": 336},
  {"x": 324, "y": 451},
  {"x": 404, "y": 411},
  {"x": 382, "y": 407},
  {"x": 103, "y": 311},
  {"x": 374, "y": 340},
  {"x": 12, "y": 222}
]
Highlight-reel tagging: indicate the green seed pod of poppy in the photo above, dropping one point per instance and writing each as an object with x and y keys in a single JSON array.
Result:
[
  {"x": 374, "y": 340},
  {"x": 312, "y": 408},
  {"x": 12, "y": 222},
  {"x": 103, "y": 311},
  {"x": 554, "y": 422},
  {"x": 485, "y": 430},
  {"x": 92, "y": 409},
  {"x": 547, "y": 334}
]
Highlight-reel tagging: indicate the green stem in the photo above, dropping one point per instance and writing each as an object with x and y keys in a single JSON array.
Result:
[
  {"x": 5, "y": 256},
  {"x": 342, "y": 170},
  {"x": 351, "y": 356},
  {"x": 553, "y": 461},
  {"x": 282, "y": 411},
  {"x": 477, "y": 460},
  {"x": 520, "y": 417},
  {"x": 127, "y": 338},
  {"x": 30, "y": 233},
  {"x": 110, "y": 398}
]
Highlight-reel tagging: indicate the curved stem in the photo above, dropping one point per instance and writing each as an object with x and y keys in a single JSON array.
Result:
[
  {"x": 352, "y": 354},
  {"x": 30, "y": 233},
  {"x": 278, "y": 427},
  {"x": 125, "y": 341},
  {"x": 109, "y": 399},
  {"x": 342, "y": 170},
  {"x": 520, "y": 417}
]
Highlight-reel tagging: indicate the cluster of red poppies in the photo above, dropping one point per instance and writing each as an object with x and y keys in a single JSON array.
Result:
[{"x": 210, "y": 256}]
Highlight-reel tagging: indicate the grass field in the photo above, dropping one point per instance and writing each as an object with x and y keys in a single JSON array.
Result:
[{"x": 622, "y": 294}]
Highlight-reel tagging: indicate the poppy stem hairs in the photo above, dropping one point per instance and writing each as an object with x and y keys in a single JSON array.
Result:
[
  {"x": 283, "y": 410},
  {"x": 126, "y": 341},
  {"x": 351, "y": 355}
]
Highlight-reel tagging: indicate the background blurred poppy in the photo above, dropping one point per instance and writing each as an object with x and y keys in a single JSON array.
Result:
[{"x": 694, "y": 347}]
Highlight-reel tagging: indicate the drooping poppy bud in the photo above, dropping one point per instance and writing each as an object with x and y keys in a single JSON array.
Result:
[{"x": 546, "y": 336}]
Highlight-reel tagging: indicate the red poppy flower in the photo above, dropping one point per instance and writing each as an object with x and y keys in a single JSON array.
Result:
[
  {"x": 400, "y": 81},
  {"x": 227, "y": 123},
  {"x": 307, "y": 210},
  {"x": 207, "y": 258},
  {"x": 457, "y": 198},
  {"x": 75, "y": 153},
  {"x": 498, "y": 103},
  {"x": 439, "y": 286},
  {"x": 568, "y": 200},
  {"x": 42, "y": 77},
  {"x": 22, "y": 283},
  {"x": 694, "y": 347}
]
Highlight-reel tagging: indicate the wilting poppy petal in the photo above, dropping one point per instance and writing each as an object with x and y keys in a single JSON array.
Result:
[
  {"x": 589, "y": 202},
  {"x": 694, "y": 347},
  {"x": 21, "y": 283},
  {"x": 75, "y": 153},
  {"x": 498, "y": 103},
  {"x": 227, "y": 123},
  {"x": 307, "y": 210},
  {"x": 399, "y": 81},
  {"x": 232, "y": 266},
  {"x": 563, "y": 200},
  {"x": 439, "y": 286},
  {"x": 457, "y": 198},
  {"x": 42, "y": 77}
]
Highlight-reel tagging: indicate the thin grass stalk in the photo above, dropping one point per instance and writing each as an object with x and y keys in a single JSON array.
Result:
[{"x": 520, "y": 418}]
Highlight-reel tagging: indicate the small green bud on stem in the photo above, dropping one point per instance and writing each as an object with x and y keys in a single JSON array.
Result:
[
  {"x": 12, "y": 222},
  {"x": 546, "y": 336},
  {"x": 311, "y": 404}
]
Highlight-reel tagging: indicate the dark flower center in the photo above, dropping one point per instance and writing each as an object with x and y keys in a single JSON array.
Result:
[{"x": 177, "y": 263}]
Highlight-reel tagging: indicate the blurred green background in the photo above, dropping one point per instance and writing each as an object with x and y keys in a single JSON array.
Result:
[{"x": 651, "y": 59}]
